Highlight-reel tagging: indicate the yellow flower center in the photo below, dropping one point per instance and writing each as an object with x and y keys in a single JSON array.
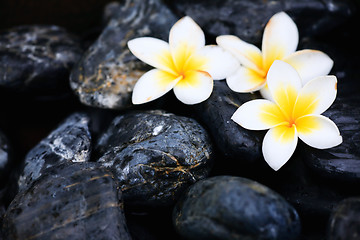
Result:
[
  {"x": 185, "y": 61},
  {"x": 290, "y": 109}
]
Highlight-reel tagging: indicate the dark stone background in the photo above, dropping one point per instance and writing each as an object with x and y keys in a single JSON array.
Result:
[{"x": 26, "y": 119}]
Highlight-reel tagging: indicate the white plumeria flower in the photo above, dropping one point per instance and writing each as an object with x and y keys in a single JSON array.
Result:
[
  {"x": 294, "y": 112},
  {"x": 280, "y": 40},
  {"x": 184, "y": 64}
]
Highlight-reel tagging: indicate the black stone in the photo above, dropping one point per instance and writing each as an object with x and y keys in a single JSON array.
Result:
[
  {"x": 232, "y": 140},
  {"x": 226, "y": 207},
  {"x": 313, "y": 196},
  {"x": 37, "y": 59},
  {"x": 107, "y": 73},
  {"x": 341, "y": 162},
  {"x": 70, "y": 201},
  {"x": 70, "y": 141},
  {"x": 155, "y": 155},
  {"x": 5, "y": 158},
  {"x": 247, "y": 19},
  {"x": 344, "y": 223}
]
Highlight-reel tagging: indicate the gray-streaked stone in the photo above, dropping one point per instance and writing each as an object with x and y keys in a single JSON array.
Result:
[
  {"x": 69, "y": 201},
  {"x": 107, "y": 73},
  {"x": 70, "y": 141},
  {"x": 155, "y": 155},
  {"x": 37, "y": 58}
]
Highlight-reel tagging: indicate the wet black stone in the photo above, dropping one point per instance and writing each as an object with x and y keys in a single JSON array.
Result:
[
  {"x": 233, "y": 141},
  {"x": 247, "y": 19},
  {"x": 226, "y": 207},
  {"x": 344, "y": 223},
  {"x": 37, "y": 59},
  {"x": 155, "y": 155},
  {"x": 70, "y": 141},
  {"x": 341, "y": 162},
  {"x": 107, "y": 73},
  {"x": 4, "y": 157},
  {"x": 69, "y": 201}
]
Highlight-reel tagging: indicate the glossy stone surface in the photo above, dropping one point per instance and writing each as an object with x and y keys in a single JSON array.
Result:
[
  {"x": 107, "y": 73},
  {"x": 247, "y": 19},
  {"x": 37, "y": 59},
  {"x": 226, "y": 207},
  {"x": 341, "y": 162},
  {"x": 155, "y": 155},
  {"x": 233, "y": 141},
  {"x": 69, "y": 142},
  {"x": 344, "y": 223},
  {"x": 69, "y": 201}
]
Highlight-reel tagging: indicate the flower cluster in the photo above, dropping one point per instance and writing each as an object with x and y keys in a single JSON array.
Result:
[
  {"x": 294, "y": 84},
  {"x": 184, "y": 64}
]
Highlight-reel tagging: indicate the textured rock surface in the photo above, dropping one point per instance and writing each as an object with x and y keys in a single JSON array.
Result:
[
  {"x": 70, "y": 141},
  {"x": 70, "y": 201},
  {"x": 226, "y": 207},
  {"x": 344, "y": 223},
  {"x": 232, "y": 140},
  {"x": 247, "y": 19},
  {"x": 107, "y": 73},
  {"x": 155, "y": 155},
  {"x": 341, "y": 162},
  {"x": 37, "y": 59}
]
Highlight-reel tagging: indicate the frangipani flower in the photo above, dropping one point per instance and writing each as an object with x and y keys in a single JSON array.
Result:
[
  {"x": 184, "y": 64},
  {"x": 280, "y": 40},
  {"x": 294, "y": 112}
]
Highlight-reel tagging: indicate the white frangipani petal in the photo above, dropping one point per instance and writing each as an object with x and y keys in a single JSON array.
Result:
[
  {"x": 284, "y": 84},
  {"x": 279, "y": 145},
  {"x": 245, "y": 80},
  {"x": 280, "y": 38},
  {"x": 282, "y": 74},
  {"x": 316, "y": 96},
  {"x": 186, "y": 31},
  {"x": 318, "y": 131},
  {"x": 265, "y": 93},
  {"x": 310, "y": 64},
  {"x": 219, "y": 62},
  {"x": 152, "y": 51},
  {"x": 152, "y": 85},
  {"x": 194, "y": 88},
  {"x": 248, "y": 55},
  {"x": 258, "y": 114}
]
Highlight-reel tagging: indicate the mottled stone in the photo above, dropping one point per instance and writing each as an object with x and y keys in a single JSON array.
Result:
[
  {"x": 226, "y": 207},
  {"x": 70, "y": 141},
  {"x": 155, "y": 155},
  {"x": 234, "y": 141},
  {"x": 37, "y": 59},
  {"x": 69, "y": 201},
  {"x": 247, "y": 19},
  {"x": 341, "y": 162},
  {"x": 344, "y": 223},
  {"x": 107, "y": 73}
]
